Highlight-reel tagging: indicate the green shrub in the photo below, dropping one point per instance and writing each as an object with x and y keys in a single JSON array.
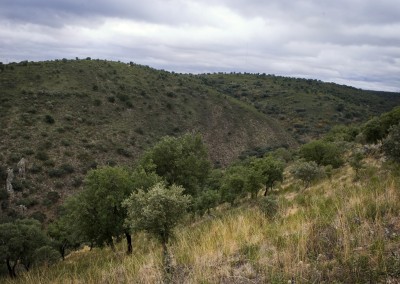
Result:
[
  {"x": 123, "y": 152},
  {"x": 306, "y": 171},
  {"x": 28, "y": 202},
  {"x": 42, "y": 156},
  {"x": 391, "y": 144},
  {"x": 97, "y": 102},
  {"x": 323, "y": 153},
  {"x": 49, "y": 119},
  {"x": 40, "y": 216},
  {"x": 53, "y": 196},
  {"x": 268, "y": 205}
]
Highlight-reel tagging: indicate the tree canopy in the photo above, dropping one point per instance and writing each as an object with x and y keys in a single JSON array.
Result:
[
  {"x": 182, "y": 161},
  {"x": 323, "y": 153},
  {"x": 96, "y": 211},
  {"x": 20, "y": 242}
]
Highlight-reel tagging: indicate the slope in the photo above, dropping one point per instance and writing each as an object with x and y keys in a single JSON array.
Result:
[
  {"x": 306, "y": 108},
  {"x": 68, "y": 116}
]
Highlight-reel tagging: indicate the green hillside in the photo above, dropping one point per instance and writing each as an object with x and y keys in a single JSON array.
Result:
[
  {"x": 68, "y": 116},
  {"x": 306, "y": 108},
  {"x": 232, "y": 196}
]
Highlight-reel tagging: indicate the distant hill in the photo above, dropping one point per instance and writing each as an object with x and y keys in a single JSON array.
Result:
[
  {"x": 306, "y": 108},
  {"x": 68, "y": 116}
]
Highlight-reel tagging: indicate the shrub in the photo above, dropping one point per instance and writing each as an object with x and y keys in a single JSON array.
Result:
[
  {"x": 268, "y": 206},
  {"x": 322, "y": 239},
  {"x": 40, "y": 216},
  {"x": 28, "y": 202},
  {"x": 42, "y": 156},
  {"x": 49, "y": 119},
  {"x": 53, "y": 196},
  {"x": 97, "y": 102},
  {"x": 323, "y": 153},
  {"x": 306, "y": 171},
  {"x": 391, "y": 145},
  {"x": 123, "y": 152}
]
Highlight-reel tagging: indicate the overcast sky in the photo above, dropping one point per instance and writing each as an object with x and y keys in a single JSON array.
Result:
[{"x": 352, "y": 42}]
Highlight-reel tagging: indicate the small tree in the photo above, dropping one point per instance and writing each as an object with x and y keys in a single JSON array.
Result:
[
  {"x": 272, "y": 170},
  {"x": 157, "y": 212},
  {"x": 233, "y": 184},
  {"x": 20, "y": 242},
  {"x": 63, "y": 235},
  {"x": 306, "y": 172},
  {"x": 356, "y": 162}
]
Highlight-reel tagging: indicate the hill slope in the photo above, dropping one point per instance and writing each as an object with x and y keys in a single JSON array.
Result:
[
  {"x": 306, "y": 108},
  {"x": 68, "y": 116},
  {"x": 336, "y": 231}
]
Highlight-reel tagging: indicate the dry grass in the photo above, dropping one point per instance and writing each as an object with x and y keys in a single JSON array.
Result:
[{"x": 335, "y": 231}]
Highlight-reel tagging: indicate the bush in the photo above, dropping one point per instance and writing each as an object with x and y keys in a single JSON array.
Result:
[
  {"x": 53, "y": 196},
  {"x": 42, "y": 156},
  {"x": 40, "y": 216},
  {"x": 206, "y": 200},
  {"x": 268, "y": 206},
  {"x": 323, "y": 153},
  {"x": 28, "y": 202},
  {"x": 49, "y": 119},
  {"x": 391, "y": 145},
  {"x": 306, "y": 171}
]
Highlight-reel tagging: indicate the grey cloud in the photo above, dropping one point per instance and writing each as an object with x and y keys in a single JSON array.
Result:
[{"x": 351, "y": 41}]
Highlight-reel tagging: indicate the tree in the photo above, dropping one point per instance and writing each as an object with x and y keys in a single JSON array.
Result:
[
  {"x": 378, "y": 127},
  {"x": 272, "y": 171},
  {"x": 63, "y": 235},
  {"x": 157, "y": 212},
  {"x": 391, "y": 144},
  {"x": 96, "y": 211},
  {"x": 20, "y": 242},
  {"x": 373, "y": 130},
  {"x": 323, "y": 153},
  {"x": 183, "y": 161},
  {"x": 206, "y": 200},
  {"x": 306, "y": 171},
  {"x": 233, "y": 184}
]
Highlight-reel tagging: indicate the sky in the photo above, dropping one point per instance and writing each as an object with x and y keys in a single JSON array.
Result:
[{"x": 351, "y": 42}]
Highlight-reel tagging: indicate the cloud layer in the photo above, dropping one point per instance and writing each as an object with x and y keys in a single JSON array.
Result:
[{"x": 354, "y": 42}]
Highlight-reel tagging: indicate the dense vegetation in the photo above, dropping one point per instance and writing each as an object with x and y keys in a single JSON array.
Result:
[{"x": 301, "y": 213}]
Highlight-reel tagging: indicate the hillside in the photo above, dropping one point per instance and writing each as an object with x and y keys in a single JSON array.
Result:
[
  {"x": 306, "y": 108},
  {"x": 339, "y": 230},
  {"x": 68, "y": 116}
]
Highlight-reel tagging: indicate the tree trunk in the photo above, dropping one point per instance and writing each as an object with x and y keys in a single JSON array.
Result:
[
  {"x": 266, "y": 190},
  {"x": 111, "y": 243},
  {"x": 166, "y": 259},
  {"x": 11, "y": 269},
  {"x": 62, "y": 251},
  {"x": 129, "y": 242}
]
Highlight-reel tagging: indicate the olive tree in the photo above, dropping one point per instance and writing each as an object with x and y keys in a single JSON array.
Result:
[{"x": 157, "y": 212}]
